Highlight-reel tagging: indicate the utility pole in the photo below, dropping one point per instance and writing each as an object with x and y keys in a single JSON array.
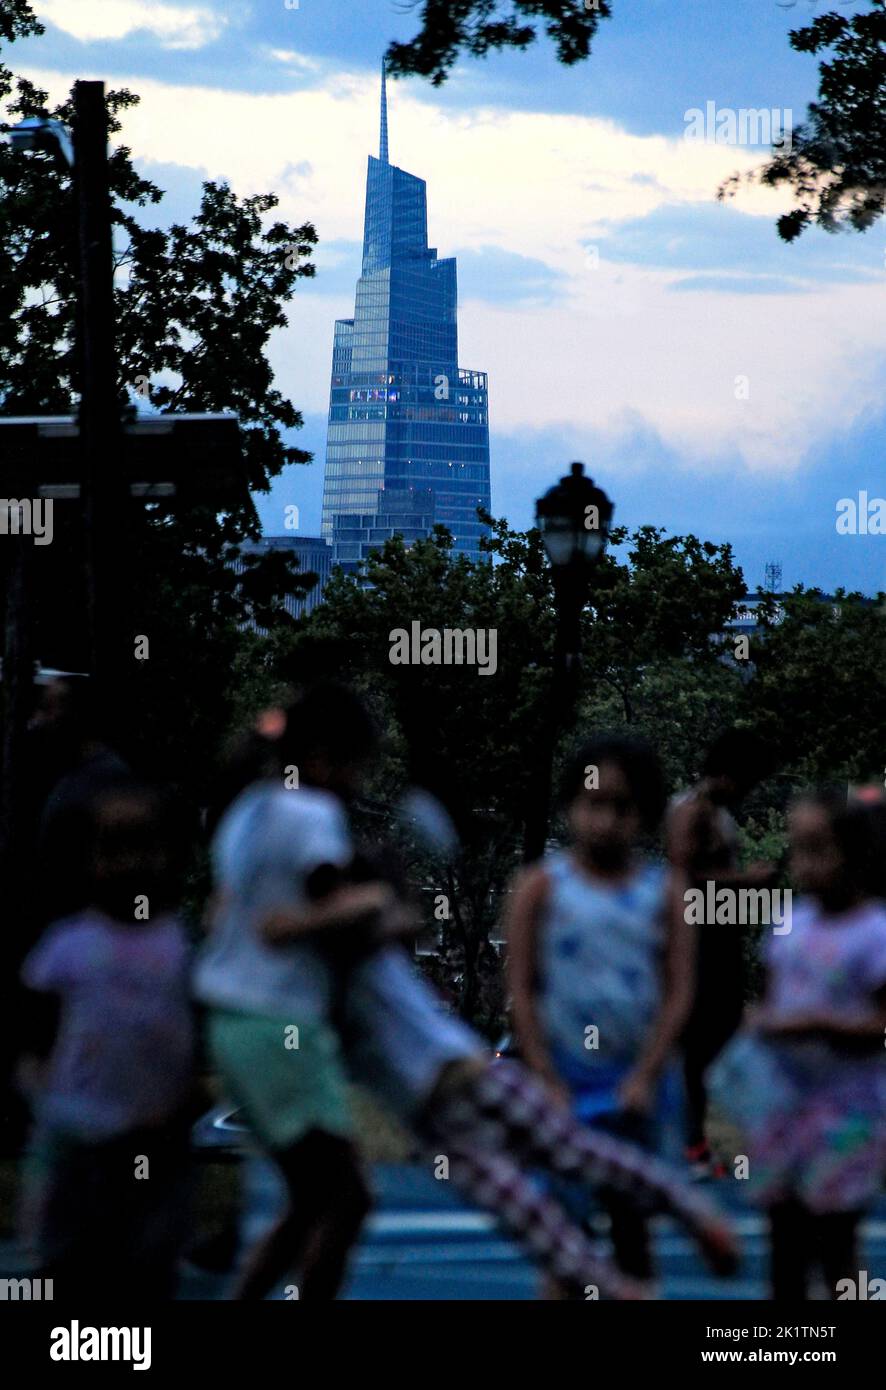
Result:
[
  {"x": 104, "y": 495},
  {"x": 18, "y": 668}
]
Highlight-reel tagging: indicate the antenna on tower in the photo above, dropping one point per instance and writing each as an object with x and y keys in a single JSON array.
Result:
[
  {"x": 383, "y": 142},
  {"x": 772, "y": 579}
]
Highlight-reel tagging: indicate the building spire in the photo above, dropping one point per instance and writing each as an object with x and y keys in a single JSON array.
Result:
[{"x": 383, "y": 143}]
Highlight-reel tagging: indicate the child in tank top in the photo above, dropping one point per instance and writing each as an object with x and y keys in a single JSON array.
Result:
[{"x": 600, "y": 964}]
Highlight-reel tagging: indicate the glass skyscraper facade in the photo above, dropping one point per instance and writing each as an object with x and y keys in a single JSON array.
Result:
[{"x": 408, "y": 435}]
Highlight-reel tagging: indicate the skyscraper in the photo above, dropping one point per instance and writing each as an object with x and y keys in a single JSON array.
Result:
[{"x": 407, "y": 442}]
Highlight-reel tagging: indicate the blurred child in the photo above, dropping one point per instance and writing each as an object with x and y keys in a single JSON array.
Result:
[
  {"x": 497, "y": 1125},
  {"x": 703, "y": 842},
  {"x": 491, "y": 1121},
  {"x": 806, "y": 1082},
  {"x": 601, "y": 964},
  {"x": 111, "y": 1064},
  {"x": 280, "y": 848}
]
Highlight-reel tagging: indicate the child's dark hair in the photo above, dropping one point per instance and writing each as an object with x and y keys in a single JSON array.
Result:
[
  {"x": 636, "y": 759},
  {"x": 248, "y": 757},
  {"x": 331, "y": 718},
  {"x": 859, "y": 829},
  {"x": 155, "y": 823},
  {"x": 740, "y": 754}
]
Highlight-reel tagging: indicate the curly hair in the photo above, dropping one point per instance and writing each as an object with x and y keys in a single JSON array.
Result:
[{"x": 638, "y": 762}]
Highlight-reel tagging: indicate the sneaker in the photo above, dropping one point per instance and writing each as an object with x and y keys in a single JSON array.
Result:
[
  {"x": 719, "y": 1248},
  {"x": 698, "y": 1156}
]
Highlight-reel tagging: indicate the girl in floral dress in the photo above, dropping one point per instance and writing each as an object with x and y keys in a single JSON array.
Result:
[{"x": 806, "y": 1081}]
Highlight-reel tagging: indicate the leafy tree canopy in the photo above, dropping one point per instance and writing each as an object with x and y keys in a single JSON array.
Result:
[
  {"x": 818, "y": 693},
  {"x": 836, "y": 166},
  {"x": 195, "y": 306},
  {"x": 649, "y": 660},
  {"x": 450, "y": 27}
]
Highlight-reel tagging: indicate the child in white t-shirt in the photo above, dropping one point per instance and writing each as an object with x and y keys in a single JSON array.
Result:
[{"x": 270, "y": 1006}]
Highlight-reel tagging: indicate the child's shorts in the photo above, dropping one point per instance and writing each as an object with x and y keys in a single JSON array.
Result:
[{"x": 284, "y": 1089}]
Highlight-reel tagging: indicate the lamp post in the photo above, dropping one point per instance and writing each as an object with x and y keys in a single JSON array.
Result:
[{"x": 574, "y": 518}]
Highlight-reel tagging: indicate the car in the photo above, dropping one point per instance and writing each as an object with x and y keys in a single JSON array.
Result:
[{"x": 221, "y": 1132}]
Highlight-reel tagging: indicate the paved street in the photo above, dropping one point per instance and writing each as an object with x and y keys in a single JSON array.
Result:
[{"x": 422, "y": 1242}]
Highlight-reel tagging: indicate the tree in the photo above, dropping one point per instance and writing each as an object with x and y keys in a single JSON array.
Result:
[
  {"x": 470, "y": 738},
  {"x": 819, "y": 686},
  {"x": 17, "y": 21},
  {"x": 674, "y": 594},
  {"x": 478, "y": 26},
  {"x": 463, "y": 735},
  {"x": 836, "y": 165},
  {"x": 195, "y": 306}
]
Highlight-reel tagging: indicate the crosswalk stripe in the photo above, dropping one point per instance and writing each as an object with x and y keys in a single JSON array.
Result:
[{"x": 404, "y": 1223}]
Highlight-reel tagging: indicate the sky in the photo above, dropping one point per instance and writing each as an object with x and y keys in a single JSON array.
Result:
[{"x": 713, "y": 379}]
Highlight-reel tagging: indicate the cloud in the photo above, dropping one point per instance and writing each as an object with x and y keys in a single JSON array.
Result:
[
  {"x": 291, "y": 59},
  {"x": 790, "y": 519},
  {"x": 182, "y": 188},
  {"x": 568, "y": 346},
  {"x": 709, "y": 236},
  {"x": 532, "y": 184},
  {"x": 626, "y": 343},
  {"x": 501, "y": 277},
  {"x": 739, "y": 284},
  {"x": 192, "y": 26}
]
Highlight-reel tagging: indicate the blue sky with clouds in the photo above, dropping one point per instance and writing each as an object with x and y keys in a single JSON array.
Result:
[{"x": 713, "y": 379}]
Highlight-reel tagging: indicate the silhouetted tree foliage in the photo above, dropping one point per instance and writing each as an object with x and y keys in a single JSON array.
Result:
[
  {"x": 195, "y": 306},
  {"x": 450, "y": 27},
  {"x": 650, "y": 660},
  {"x": 836, "y": 166}
]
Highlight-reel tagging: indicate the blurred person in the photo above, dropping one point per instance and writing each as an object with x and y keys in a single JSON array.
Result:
[
  {"x": 496, "y": 1125},
  {"x": 71, "y": 728},
  {"x": 110, "y": 1065},
  {"x": 600, "y": 961},
  {"x": 703, "y": 843},
  {"x": 250, "y": 755},
  {"x": 489, "y": 1120},
  {"x": 805, "y": 1082},
  {"x": 279, "y": 847},
  {"x": 65, "y": 762}
]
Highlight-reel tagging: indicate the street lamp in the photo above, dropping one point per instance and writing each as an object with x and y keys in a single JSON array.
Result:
[
  {"x": 41, "y": 133},
  {"x": 574, "y": 518}
]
